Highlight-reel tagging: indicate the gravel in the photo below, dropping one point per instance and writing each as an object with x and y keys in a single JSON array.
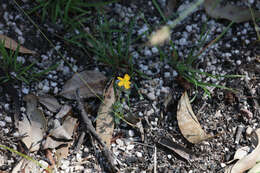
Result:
[{"x": 133, "y": 147}]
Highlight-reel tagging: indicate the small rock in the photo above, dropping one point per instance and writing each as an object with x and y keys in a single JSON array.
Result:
[
  {"x": 120, "y": 142},
  {"x": 65, "y": 164},
  {"x": 6, "y": 131},
  {"x": 131, "y": 133},
  {"x": 8, "y": 119},
  {"x": 151, "y": 96},
  {"x": 78, "y": 168},
  {"x": 249, "y": 131},
  {"x": 44, "y": 164},
  {"x": 138, "y": 154},
  {"x": 6, "y": 106},
  {"x": 155, "y": 50},
  {"x": 130, "y": 147},
  {"x": 46, "y": 89},
  {"x": 2, "y": 123},
  {"x": 25, "y": 90},
  {"x": 150, "y": 112},
  {"x": 167, "y": 74}
]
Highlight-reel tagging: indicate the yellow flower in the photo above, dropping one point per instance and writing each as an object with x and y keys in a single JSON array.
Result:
[{"x": 124, "y": 81}]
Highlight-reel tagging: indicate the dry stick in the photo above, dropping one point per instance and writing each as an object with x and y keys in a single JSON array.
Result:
[
  {"x": 80, "y": 141},
  {"x": 90, "y": 128},
  {"x": 155, "y": 160},
  {"x": 256, "y": 105}
]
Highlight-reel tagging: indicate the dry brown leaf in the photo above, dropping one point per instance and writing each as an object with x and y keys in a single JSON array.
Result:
[
  {"x": 255, "y": 169},
  {"x": 64, "y": 111},
  {"x": 95, "y": 80},
  {"x": 231, "y": 12},
  {"x": 240, "y": 153},
  {"x": 61, "y": 134},
  {"x": 26, "y": 166},
  {"x": 34, "y": 126},
  {"x": 50, "y": 103},
  {"x": 105, "y": 121},
  {"x": 248, "y": 161},
  {"x": 181, "y": 151},
  {"x": 11, "y": 44},
  {"x": 188, "y": 122}
]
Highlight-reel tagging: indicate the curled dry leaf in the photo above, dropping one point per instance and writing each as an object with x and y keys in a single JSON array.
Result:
[
  {"x": 188, "y": 122},
  {"x": 105, "y": 120},
  {"x": 160, "y": 36},
  {"x": 87, "y": 82},
  {"x": 255, "y": 169},
  {"x": 11, "y": 44},
  {"x": 231, "y": 12},
  {"x": 50, "y": 103},
  {"x": 248, "y": 161},
  {"x": 34, "y": 126},
  {"x": 240, "y": 153},
  {"x": 181, "y": 151}
]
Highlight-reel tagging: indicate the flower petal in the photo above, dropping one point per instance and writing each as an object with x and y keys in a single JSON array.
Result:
[
  {"x": 119, "y": 78},
  {"x": 127, "y": 77},
  {"x": 127, "y": 85},
  {"x": 120, "y": 83}
]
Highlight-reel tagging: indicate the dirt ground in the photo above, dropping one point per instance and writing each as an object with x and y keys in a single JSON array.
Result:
[{"x": 154, "y": 141}]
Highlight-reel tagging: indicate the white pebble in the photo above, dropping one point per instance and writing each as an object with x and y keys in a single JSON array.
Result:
[
  {"x": 130, "y": 147},
  {"x": 78, "y": 157},
  {"x": 120, "y": 142},
  {"x": 6, "y": 106},
  {"x": 147, "y": 52},
  {"x": 25, "y": 90},
  {"x": 8, "y": 119},
  {"x": 143, "y": 29},
  {"x": 56, "y": 90},
  {"x": 46, "y": 88},
  {"x": 138, "y": 154},
  {"x": 182, "y": 42},
  {"x": 54, "y": 84},
  {"x": 18, "y": 31},
  {"x": 189, "y": 28},
  {"x": 44, "y": 163},
  {"x": 249, "y": 131},
  {"x": 151, "y": 96},
  {"x": 16, "y": 134},
  {"x": 169, "y": 156},
  {"x": 155, "y": 50},
  {"x": 150, "y": 112},
  {"x": 167, "y": 74},
  {"x": 238, "y": 62},
  {"x": 44, "y": 57},
  {"x": 251, "y": 1},
  {"x": 131, "y": 133},
  {"x": 6, "y": 131},
  {"x": 174, "y": 73},
  {"x": 65, "y": 164},
  {"x": 2, "y": 123},
  {"x": 21, "y": 39}
]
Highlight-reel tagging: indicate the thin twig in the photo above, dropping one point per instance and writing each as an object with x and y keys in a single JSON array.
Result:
[
  {"x": 90, "y": 128},
  {"x": 155, "y": 160},
  {"x": 80, "y": 141}
]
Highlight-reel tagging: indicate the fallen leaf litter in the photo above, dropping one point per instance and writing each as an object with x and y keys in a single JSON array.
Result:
[{"x": 138, "y": 157}]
